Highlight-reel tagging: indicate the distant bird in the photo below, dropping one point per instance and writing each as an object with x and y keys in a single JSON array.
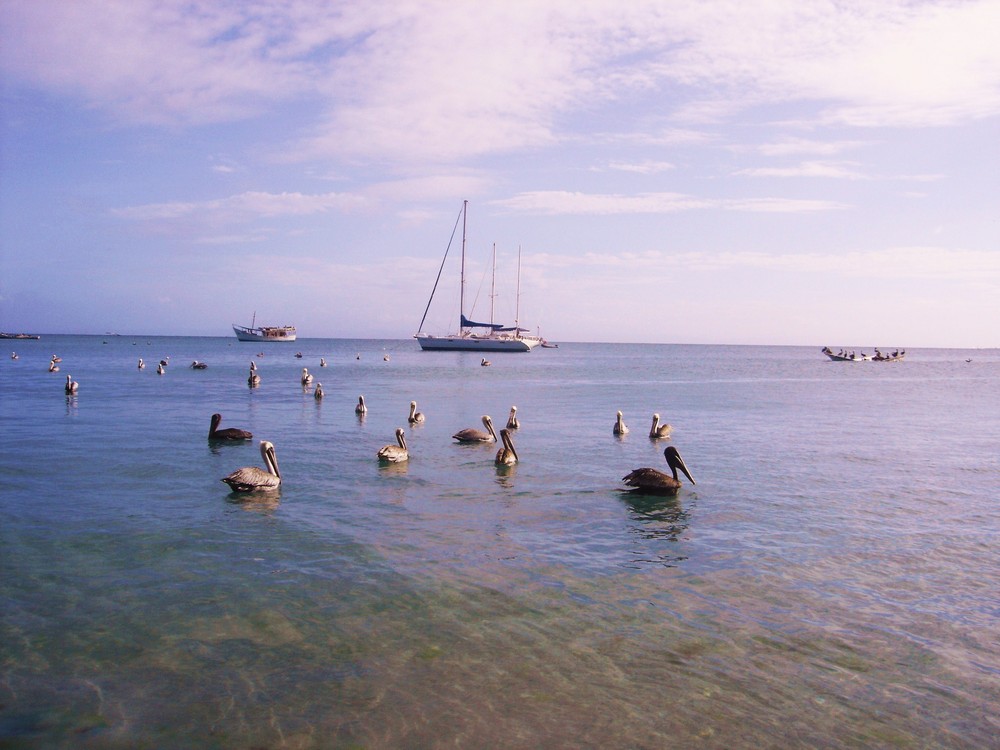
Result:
[
  {"x": 196, "y": 365},
  {"x": 13, "y": 355},
  {"x": 228, "y": 433},
  {"x": 253, "y": 365},
  {"x": 620, "y": 428},
  {"x": 322, "y": 362},
  {"x": 56, "y": 358},
  {"x": 485, "y": 363},
  {"x": 385, "y": 358},
  {"x": 165, "y": 361},
  {"x": 361, "y": 409},
  {"x": 394, "y": 454},
  {"x": 254, "y": 380},
  {"x": 415, "y": 417},
  {"x": 253, "y": 478},
  {"x": 160, "y": 369},
  {"x": 53, "y": 367},
  {"x": 306, "y": 377},
  {"x": 472, "y": 435},
  {"x": 142, "y": 365},
  {"x": 658, "y": 482},
  {"x": 71, "y": 385},
  {"x": 318, "y": 393},
  {"x": 659, "y": 430},
  {"x": 506, "y": 456},
  {"x": 298, "y": 355},
  {"x": 512, "y": 423},
  {"x": 358, "y": 356}
]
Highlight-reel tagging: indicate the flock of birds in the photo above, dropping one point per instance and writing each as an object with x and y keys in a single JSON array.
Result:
[{"x": 256, "y": 479}]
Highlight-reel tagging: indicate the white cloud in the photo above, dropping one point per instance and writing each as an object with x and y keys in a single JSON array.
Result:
[
  {"x": 552, "y": 203},
  {"x": 250, "y": 204}
]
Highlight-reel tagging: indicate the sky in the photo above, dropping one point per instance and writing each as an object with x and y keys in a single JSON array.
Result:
[{"x": 707, "y": 171}]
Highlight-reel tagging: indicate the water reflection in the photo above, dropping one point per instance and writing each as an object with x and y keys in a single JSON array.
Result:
[
  {"x": 255, "y": 502},
  {"x": 658, "y": 517}
]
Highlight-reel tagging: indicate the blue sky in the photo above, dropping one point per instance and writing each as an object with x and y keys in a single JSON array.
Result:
[{"x": 740, "y": 172}]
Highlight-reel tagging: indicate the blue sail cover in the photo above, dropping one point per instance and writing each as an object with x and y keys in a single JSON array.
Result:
[{"x": 466, "y": 323}]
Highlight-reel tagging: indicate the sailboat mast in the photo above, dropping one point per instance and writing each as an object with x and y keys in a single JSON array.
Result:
[
  {"x": 461, "y": 294},
  {"x": 517, "y": 298},
  {"x": 493, "y": 284}
]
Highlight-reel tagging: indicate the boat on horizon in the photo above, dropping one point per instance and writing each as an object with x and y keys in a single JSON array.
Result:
[
  {"x": 257, "y": 333},
  {"x": 845, "y": 356},
  {"x": 21, "y": 336},
  {"x": 495, "y": 337}
]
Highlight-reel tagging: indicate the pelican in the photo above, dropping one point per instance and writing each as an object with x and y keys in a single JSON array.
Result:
[
  {"x": 318, "y": 393},
  {"x": 13, "y": 355},
  {"x": 385, "y": 358},
  {"x": 394, "y": 454},
  {"x": 361, "y": 409},
  {"x": 506, "y": 456},
  {"x": 322, "y": 362},
  {"x": 53, "y": 367},
  {"x": 71, "y": 385},
  {"x": 196, "y": 365},
  {"x": 254, "y": 380},
  {"x": 253, "y": 478},
  {"x": 160, "y": 369},
  {"x": 512, "y": 423},
  {"x": 253, "y": 365},
  {"x": 56, "y": 358},
  {"x": 485, "y": 362},
  {"x": 229, "y": 433},
  {"x": 472, "y": 435},
  {"x": 165, "y": 361},
  {"x": 416, "y": 417},
  {"x": 306, "y": 377},
  {"x": 655, "y": 481},
  {"x": 142, "y": 365},
  {"x": 620, "y": 428},
  {"x": 659, "y": 430}
]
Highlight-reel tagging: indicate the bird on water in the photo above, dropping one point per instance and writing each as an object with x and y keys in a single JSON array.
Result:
[
  {"x": 506, "y": 456},
  {"x": 227, "y": 433},
  {"x": 659, "y": 430},
  {"x": 253, "y": 478},
  {"x": 472, "y": 435},
  {"x": 394, "y": 454},
  {"x": 654, "y": 481}
]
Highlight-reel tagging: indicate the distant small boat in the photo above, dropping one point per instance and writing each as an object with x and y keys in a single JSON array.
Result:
[
  {"x": 19, "y": 336},
  {"x": 263, "y": 333},
  {"x": 849, "y": 356}
]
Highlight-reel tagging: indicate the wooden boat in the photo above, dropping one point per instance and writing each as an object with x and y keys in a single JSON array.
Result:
[
  {"x": 264, "y": 333},
  {"x": 845, "y": 356}
]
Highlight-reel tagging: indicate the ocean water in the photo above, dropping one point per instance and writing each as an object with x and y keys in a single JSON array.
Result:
[{"x": 831, "y": 581}]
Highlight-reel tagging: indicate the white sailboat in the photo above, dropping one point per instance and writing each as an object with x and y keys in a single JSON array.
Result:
[{"x": 473, "y": 336}]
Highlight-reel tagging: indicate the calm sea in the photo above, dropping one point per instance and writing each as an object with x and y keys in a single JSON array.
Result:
[{"x": 832, "y": 581}]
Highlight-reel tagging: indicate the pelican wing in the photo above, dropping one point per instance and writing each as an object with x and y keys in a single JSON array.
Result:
[{"x": 251, "y": 479}]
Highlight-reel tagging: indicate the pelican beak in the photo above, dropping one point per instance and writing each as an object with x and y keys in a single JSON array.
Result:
[{"x": 675, "y": 462}]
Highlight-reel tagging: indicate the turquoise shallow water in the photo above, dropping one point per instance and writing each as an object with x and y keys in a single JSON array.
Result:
[{"x": 829, "y": 582}]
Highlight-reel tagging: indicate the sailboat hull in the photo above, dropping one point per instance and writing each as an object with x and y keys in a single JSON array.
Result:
[{"x": 471, "y": 343}]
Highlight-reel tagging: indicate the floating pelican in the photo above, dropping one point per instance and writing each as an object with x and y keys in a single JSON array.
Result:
[
  {"x": 71, "y": 385},
  {"x": 361, "y": 409},
  {"x": 512, "y": 423},
  {"x": 485, "y": 362},
  {"x": 472, "y": 435},
  {"x": 306, "y": 377},
  {"x": 160, "y": 369},
  {"x": 322, "y": 362},
  {"x": 13, "y": 355},
  {"x": 318, "y": 393},
  {"x": 620, "y": 428},
  {"x": 165, "y": 361},
  {"x": 56, "y": 358},
  {"x": 657, "y": 482},
  {"x": 394, "y": 454},
  {"x": 53, "y": 367},
  {"x": 506, "y": 456},
  {"x": 253, "y": 365},
  {"x": 142, "y": 365},
  {"x": 253, "y": 478},
  {"x": 196, "y": 365},
  {"x": 254, "y": 380},
  {"x": 659, "y": 430},
  {"x": 229, "y": 433},
  {"x": 415, "y": 417},
  {"x": 298, "y": 355},
  {"x": 385, "y": 358}
]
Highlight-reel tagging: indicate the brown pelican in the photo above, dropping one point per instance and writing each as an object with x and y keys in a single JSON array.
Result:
[
  {"x": 254, "y": 380},
  {"x": 655, "y": 481},
  {"x": 385, "y": 358},
  {"x": 318, "y": 393},
  {"x": 620, "y": 428},
  {"x": 196, "y": 365},
  {"x": 659, "y": 430},
  {"x": 512, "y": 423},
  {"x": 306, "y": 377},
  {"x": 394, "y": 454},
  {"x": 472, "y": 435},
  {"x": 506, "y": 456},
  {"x": 165, "y": 361},
  {"x": 56, "y": 358},
  {"x": 322, "y": 362},
  {"x": 160, "y": 369},
  {"x": 485, "y": 362},
  {"x": 229, "y": 433},
  {"x": 142, "y": 365},
  {"x": 253, "y": 478},
  {"x": 361, "y": 409},
  {"x": 416, "y": 417},
  {"x": 71, "y": 385},
  {"x": 53, "y": 367},
  {"x": 13, "y": 355}
]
